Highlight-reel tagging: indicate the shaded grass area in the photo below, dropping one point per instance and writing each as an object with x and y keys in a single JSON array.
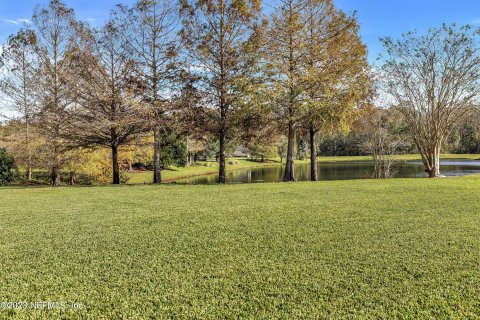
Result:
[
  {"x": 205, "y": 168},
  {"x": 42, "y": 177},
  {"x": 405, "y": 248}
]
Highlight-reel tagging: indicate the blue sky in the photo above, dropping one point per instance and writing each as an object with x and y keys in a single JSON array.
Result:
[{"x": 378, "y": 18}]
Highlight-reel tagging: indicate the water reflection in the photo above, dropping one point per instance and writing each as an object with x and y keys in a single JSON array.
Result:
[{"x": 344, "y": 170}]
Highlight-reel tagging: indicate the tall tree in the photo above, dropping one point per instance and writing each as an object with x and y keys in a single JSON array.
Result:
[
  {"x": 220, "y": 36},
  {"x": 151, "y": 31},
  {"x": 317, "y": 66},
  {"x": 336, "y": 74},
  {"x": 108, "y": 112},
  {"x": 19, "y": 83},
  {"x": 434, "y": 79},
  {"x": 54, "y": 26},
  {"x": 336, "y": 77},
  {"x": 285, "y": 51}
]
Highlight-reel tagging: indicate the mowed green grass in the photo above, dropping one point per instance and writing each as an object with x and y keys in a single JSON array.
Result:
[{"x": 401, "y": 248}]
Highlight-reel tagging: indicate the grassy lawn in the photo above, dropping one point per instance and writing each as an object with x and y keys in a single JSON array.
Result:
[
  {"x": 203, "y": 168},
  {"x": 400, "y": 248}
]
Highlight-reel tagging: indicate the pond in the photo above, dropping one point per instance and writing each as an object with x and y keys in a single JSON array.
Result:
[{"x": 342, "y": 170}]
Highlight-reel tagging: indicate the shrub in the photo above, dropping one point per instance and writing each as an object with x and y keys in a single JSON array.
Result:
[
  {"x": 174, "y": 150},
  {"x": 7, "y": 168}
]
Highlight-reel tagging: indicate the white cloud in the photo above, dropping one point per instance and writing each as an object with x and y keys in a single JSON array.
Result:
[{"x": 17, "y": 22}]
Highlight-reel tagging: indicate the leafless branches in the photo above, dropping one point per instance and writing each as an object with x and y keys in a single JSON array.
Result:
[{"x": 435, "y": 81}]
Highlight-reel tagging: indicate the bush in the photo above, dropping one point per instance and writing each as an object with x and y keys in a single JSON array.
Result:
[
  {"x": 7, "y": 168},
  {"x": 174, "y": 150}
]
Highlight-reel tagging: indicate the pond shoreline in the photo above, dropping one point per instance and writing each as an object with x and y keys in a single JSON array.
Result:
[
  {"x": 210, "y": 170},
  {"x": 340, "y": 170}
]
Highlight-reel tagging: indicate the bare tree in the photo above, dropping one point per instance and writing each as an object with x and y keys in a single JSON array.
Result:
[
  {"x": 434, "y": 79},
  {"x": 19, "y": 84},
  {"x": 380, "y": 141},
  {"x": 55, "y": 28},
  {"x": 108, "y": 111},
  {"x": 151, "y": 32}
]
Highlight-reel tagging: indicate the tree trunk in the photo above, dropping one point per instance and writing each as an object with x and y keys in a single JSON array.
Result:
[
  {"x": 29, "y": 151},
  {"x": 313, "y": 156},
  {"x": 115, "y": 165},
  {"x": 73, "y": 178},
  {"x": 431, "y": 161},
  {"x": 189, "y": 155},
  {"x": 28, "y": 174},
  {"x": 289, "y": 167},
  {"x": 157, "y": 177},
  {"x": 437, "y": 161},
  {"x": 222, "y": 160},
  {"x": 377, "y": 158},
  {"x": 55, "y": 176}
]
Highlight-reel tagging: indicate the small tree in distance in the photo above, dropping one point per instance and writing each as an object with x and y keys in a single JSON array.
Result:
[{"x": 380, "y": 141}]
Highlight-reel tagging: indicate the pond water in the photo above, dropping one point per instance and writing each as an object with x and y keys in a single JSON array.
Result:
[{"x": 343, "y": 170}]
